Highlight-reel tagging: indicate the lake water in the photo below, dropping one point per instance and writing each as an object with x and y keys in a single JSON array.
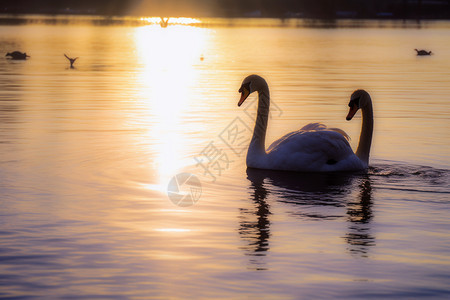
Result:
[{"x": 87, "y": 155}]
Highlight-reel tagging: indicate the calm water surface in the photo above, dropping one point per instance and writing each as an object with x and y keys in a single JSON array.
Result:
[{"x": 87, "y": 155}]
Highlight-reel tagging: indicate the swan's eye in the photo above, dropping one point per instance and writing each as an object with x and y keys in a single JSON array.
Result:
[
  {"x": 354, "y": 102},
  {"x": 245, "y": 86}
]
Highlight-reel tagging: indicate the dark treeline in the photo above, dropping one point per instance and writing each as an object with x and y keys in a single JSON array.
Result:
[
  {"x": 323, "y": 9},
  {"x": 101, "y": 7}
]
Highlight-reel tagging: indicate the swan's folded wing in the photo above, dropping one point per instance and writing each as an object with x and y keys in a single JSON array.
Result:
[
  {"x": 309, "y": 150},
  {"x": 310, "y": 141},
  {"x": 290, "y": 135},
  {"x": 314, "y": 126},
  {"x": 344, "y": 134},
  {"x": 283, "y": 139}
]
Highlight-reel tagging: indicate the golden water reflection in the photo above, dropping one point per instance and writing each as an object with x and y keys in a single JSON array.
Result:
[
  {"x": 171, "y": 21},
  {"x": 84, "y": 150},
  {"x": 169, "y": 59}
]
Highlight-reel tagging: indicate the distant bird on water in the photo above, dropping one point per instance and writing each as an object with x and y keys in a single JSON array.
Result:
[
  {"x": 17, "y": 55},
  {"x": 72, "y": 60},
  {"x": 423, "y": 52},
  {"x": 164, "y": 22}
]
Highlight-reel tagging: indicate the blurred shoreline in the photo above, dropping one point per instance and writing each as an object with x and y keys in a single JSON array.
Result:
[{"x": 27, "y": 19}]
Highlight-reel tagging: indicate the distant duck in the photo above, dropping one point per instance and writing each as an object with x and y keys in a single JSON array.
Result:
[
  {"x": 164, "y": 22},
  {"x": 423, "y": 52},
  {"x": 17, "y": 55},
  {"x": 71, "y": 60}
]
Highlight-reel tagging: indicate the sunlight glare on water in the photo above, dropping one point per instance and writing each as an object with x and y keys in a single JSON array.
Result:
[
  {"x": 172, "y": 21},
  {"x": 167, "y": 75}
]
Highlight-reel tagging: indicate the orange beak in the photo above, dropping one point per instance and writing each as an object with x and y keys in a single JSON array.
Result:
[
  {"x": 352, "y": 112},
  {"x": 244, "y": 95}
]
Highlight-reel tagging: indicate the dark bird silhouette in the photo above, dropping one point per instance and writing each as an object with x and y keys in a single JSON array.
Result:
[
  {"x": 423, "y": 52},
  {"x": 72, "y": 60},
  {"x": 164, "y": 22},
  {"x": 17, "y": 55}
]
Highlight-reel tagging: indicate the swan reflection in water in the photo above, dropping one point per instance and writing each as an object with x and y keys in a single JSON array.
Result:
[{"x": 312, "y": 196}]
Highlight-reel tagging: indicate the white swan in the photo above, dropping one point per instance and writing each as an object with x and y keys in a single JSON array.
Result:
[{"x": 314, "y": 148}]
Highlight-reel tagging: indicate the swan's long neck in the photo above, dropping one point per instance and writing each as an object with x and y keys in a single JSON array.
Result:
[
  {"x": 257, "y": 145},
  {"x": 365, "y": 139}
]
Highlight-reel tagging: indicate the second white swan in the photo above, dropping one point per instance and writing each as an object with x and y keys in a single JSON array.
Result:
[{"x": 313, "y": 148}]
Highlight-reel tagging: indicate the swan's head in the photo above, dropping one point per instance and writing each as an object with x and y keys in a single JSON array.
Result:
[
  {"x": 359, "y": 99},
  {"x": 252, "y": 83}
]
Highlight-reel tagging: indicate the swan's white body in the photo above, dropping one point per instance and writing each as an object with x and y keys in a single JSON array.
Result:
[{"x": 314, "y": 148}]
